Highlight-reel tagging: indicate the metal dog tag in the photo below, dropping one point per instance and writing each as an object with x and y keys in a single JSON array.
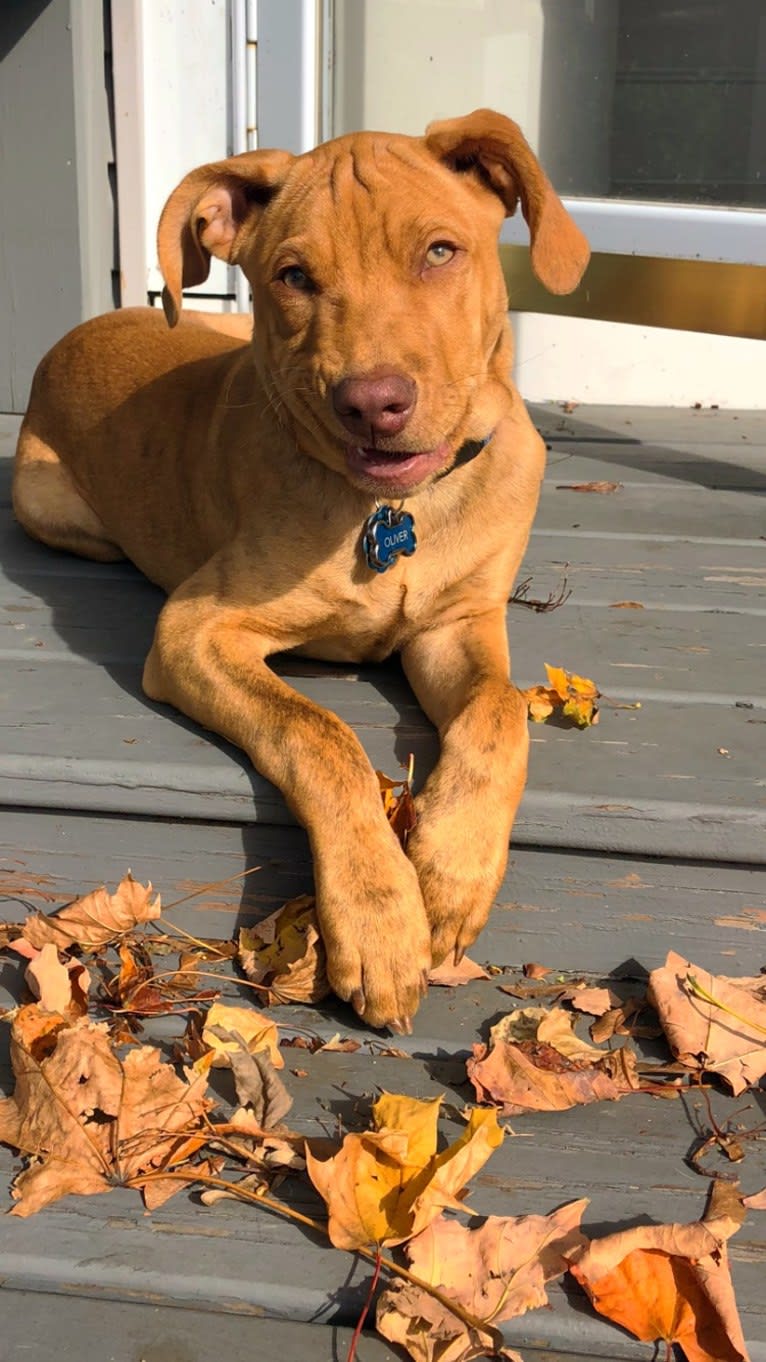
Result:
[{"x": 388, "y": 534}]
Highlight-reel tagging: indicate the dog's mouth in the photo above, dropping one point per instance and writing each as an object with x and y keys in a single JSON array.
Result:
[{"x": 395, "y": 471}]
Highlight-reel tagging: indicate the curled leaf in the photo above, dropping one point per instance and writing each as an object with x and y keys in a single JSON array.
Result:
[
  {"x": 285, "y": 954},
  {"x": 712, "y": 1023},
  {"x": 226, "y": 1029},
  {"x": 535, "y": 1062},
  {"x": 571, "y": 696}
]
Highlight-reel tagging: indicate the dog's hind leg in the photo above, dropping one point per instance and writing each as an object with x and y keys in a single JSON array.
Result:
[{"x": 49, "y": 506}]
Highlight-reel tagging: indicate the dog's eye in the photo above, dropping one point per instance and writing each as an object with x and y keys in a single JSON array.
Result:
[
  {"x": 295, "y": 277},
  {"x": 439, "y": 253}
]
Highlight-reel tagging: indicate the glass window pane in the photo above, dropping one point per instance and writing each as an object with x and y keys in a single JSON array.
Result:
[{"x": 630, "y": 99}]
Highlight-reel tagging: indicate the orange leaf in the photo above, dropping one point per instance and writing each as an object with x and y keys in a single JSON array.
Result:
[
  {"x": 671, "y": 1282},
  {"x": 571, "y": 696}
]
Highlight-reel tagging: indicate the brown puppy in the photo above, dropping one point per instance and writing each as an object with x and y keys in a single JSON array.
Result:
[{"x": 379, "y": 371}]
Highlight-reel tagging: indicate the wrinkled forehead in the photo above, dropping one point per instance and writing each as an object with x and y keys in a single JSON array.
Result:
[{"x": 380, "y": 181}]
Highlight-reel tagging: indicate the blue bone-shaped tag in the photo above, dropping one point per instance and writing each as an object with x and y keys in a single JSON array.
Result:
[{"x": 387, "y": 535}]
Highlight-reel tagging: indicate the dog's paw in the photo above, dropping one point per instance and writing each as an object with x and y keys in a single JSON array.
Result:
[
  {"x": 459, "y": 869},
  {"x": 378, "y": 940}
]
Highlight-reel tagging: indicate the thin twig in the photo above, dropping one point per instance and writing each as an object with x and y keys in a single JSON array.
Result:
[
  {"x": 372, "y": 1257},
  {"x": 552, "y": 602}
]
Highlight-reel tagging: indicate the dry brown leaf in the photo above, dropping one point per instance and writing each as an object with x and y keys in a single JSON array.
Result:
[
  {"x": 259, "y": 1088},
  {"x": 495, "y": 1272},
  {"x": 596, "y": 1001},
  {"x": 571, "y": 696},
  {"x": 626, "y": 605},
  {"x": 532, "y": 970},
  {"x": 671, "y": 1282},
  {"x": 88, "y": 1120},
  {"x": 534, "y": 1062},
  {"x": 59, "y": 986},
  {"x": 712, "y": 1023},
  {"x": 384, "y": 1185},
  {"x": 340, "y": 1046},
  {"x": 398, "y": 804},
  {"x": 603, "y": 488},
  {"x": 225, "y": 1028},
  {"x": 756, "y": 1201},
  {"x": 97, "y": 918},
  {"x": 450, "y": 975},
  {"x": 285, "y": 954}
]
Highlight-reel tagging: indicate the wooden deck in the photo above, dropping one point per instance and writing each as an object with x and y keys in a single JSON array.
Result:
[{"x": 645, "y": 834}]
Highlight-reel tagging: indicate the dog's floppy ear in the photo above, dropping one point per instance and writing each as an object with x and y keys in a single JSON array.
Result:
[
  {"x": 206, "y": 215},
  {"x": 496, "y": 148}
]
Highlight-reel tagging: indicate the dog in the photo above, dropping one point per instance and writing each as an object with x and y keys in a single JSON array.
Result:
[{"x": 357, "y": 479}]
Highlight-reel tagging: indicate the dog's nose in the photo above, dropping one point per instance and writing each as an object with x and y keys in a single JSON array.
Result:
[{"x": 375, "y": 404}]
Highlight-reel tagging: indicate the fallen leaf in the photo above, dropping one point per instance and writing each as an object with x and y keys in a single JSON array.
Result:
[
  {"x": 534, "y": 971},
  {"x": 713, "y": 1023},
  {"x": 387, "y": 1184},
  {"x": 534, "y": 1062},
  {"x": 139, "y": 991},
  {"x": 596, "y": 1001},
  {"x": 344, "y": 1047},
  {"x": 398, "y": 804},
  {"x": 671, "y": 1282},
  {"x": 496, "y": 1271},
  {"x": 285, "y": 954},
  {"x": 259, "y": 1088},
  {"x": 88, "y": 1120},
  {"x": 756, "y": 1201},
  {"x": 626, "y": 605},
  {"x": 449, "y": 975},
  {"x": 574, "y": 697},
  {"x": 225, "y": 1027},
  {"x": 97, "y": 918},
  {"x": 604, "y": 488},
  {"x": 59, "y": 986}
]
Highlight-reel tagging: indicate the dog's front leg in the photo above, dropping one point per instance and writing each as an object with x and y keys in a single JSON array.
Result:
[
  {"x": 207, "y": 659},
  {"x": 460, "y": 675}
]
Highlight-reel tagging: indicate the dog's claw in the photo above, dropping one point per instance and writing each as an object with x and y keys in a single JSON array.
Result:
[
  {"x": 424, "y": 983},
  {"x": 358, "y": 1001},
  {"x": 458, "y": 956}
]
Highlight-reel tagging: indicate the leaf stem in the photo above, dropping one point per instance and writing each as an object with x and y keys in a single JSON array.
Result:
[
  {"x": 696, "y": 988},
  {"x": 351, "y": 1355}
]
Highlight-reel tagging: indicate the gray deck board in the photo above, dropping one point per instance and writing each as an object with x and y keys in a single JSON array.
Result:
[{"x": 635, "y": 837}]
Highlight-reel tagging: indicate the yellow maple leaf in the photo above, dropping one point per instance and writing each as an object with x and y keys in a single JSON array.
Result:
[
  {"x": 566, "y": 693},
  {"x": 386, "y": 1184}
]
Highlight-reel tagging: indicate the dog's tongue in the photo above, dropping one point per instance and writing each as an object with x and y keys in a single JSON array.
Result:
[{"x": 401, "y": 468}]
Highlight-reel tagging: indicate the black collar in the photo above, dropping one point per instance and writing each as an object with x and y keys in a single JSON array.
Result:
[{"x": 467, "y": 452}]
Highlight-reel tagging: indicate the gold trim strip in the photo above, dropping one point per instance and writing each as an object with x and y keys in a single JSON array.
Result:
[{"x": 692, "y": 295}]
